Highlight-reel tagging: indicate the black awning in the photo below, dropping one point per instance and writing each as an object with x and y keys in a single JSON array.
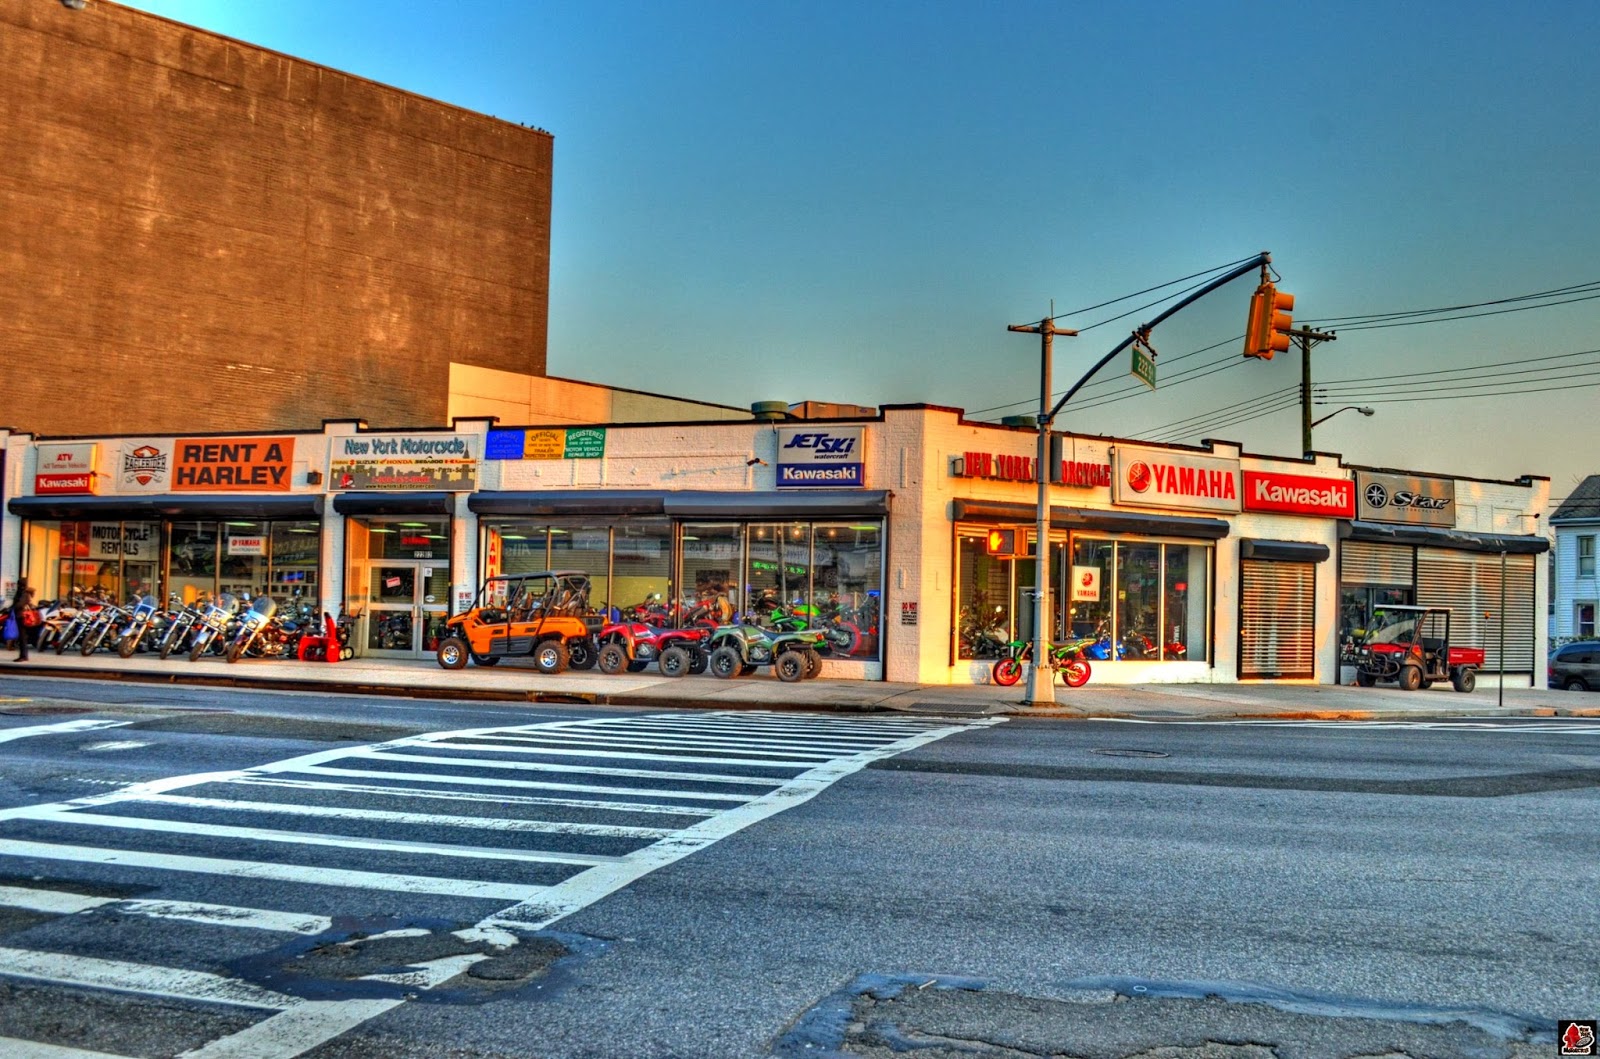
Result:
[
  {"x": 570, "y": 502},
  {"x": 162, "y": 505},
  {"x": 1283, "y": 551},
  {"x": 798, "y": 503},
  {"x": 398, "y": 502},
  {"x": 1442, "y": 537},
  {"x": 686, "y": 503},
  {"x": 1078, "y": 518}
]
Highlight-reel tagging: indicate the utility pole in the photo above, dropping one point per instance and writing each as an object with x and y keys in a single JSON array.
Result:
[
  {"x": 1041, "y": 689},
  {"x": 1307, "y": 338}
]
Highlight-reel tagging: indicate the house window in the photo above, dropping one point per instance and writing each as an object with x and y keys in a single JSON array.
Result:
[
  {"x": 1583, "y": 624},
  {"x": 1586, "y": 556}
]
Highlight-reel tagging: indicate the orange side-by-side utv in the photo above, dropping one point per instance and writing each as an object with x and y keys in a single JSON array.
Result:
[{"x": 544, "y": 615}]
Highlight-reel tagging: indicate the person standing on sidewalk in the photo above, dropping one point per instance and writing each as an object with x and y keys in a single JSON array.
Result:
[{"x": 21, "y": 606}]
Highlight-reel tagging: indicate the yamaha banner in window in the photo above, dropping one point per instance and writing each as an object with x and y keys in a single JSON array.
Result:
[
  {"x": 821, "y": 456},
  {"x": 1403, "y": 498}
]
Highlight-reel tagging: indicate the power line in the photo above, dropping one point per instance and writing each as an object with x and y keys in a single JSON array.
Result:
[
  {"x": 1382, "y": 399},
  {"x": 1363, "y": 318},
  {"x": 1236, "y": 420},
  {"x": 1177, "y": 423},
  {"x": 1147, "y": 290},
  {"x": 1469, "y": 367},
  {"x": 1463, "y": 316}
]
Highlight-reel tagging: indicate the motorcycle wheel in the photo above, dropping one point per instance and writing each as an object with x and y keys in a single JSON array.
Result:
[
  {"x": 791, "y": 667},
  {"x": 92, "y": 643},
  {"x": 199, "y": 647},
  {"x": 1075, "y": 674},
  {"x": 127, "y": 645},
  {"x": 845, "y": 638},
  {"x": 168, "y": 642},
  {"x": 1007, "y": 672},
  {"x": 612, "y": 659},
  {"x": 235, "y": 651}
]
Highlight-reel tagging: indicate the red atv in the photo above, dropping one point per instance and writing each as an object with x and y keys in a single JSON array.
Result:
[
  {"x": 633, "y": 645},
  {"x": 1411, "y": 646}
]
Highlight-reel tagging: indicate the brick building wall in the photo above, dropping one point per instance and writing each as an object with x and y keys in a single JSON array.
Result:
[{"x": 198, "y": 234}]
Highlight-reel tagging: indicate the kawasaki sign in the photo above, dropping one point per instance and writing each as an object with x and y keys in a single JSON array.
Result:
[{"x": 821, "y": 456}]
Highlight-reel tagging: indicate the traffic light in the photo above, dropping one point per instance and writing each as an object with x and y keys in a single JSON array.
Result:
[
  {"x": 1009, "y": 542},
  {"x": 1267, "y": 330}
]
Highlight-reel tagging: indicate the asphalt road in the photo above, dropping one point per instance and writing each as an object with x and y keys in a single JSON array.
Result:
[{"x": 250, "y": 873}]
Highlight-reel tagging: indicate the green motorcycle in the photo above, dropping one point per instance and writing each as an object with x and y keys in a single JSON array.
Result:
[
  {"x": 1066, "y": 657},
  {"x": 739, "y": 650}
]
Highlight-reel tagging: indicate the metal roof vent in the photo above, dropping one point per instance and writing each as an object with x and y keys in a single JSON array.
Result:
[{"x": 769, "y": 411}]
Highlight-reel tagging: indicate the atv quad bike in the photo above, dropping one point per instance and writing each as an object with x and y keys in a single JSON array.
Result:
[
  {"x": 544, "y": 615},
  {"x": 633, "y": 645},
  {"x": 1411, "y": 646},
  {"x": 738, "y": 650}
]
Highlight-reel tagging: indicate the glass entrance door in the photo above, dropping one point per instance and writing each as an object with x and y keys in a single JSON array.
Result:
[{"x": 406, "y": 605}]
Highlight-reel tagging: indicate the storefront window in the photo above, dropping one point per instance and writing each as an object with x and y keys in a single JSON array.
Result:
[
  {"x": 295, "y": 550},
  {"x": 780, "y": 569},
  {"x": 1153, "y": 600},
  {"x": 983, "y": 599},
  {"x": 192, "y": 572},
  {"x": 847, "y": 586},
  {"x": 641, "y": 561},
  {"x": 244, "y": 558},
  {"x": 713, "y": 557},
  {"x": 584, "y": 546}
]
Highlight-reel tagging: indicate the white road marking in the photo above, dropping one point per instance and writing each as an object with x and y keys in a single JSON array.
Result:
[
  {"x": 12, "y": 1048},
  {"x": 528, "y": 745},
  {"x": 499, "y": 797},
  {"x": 1464, "y": 725},
  {"x": 59, "y": 728},
  {"x": 486, "y": 823},
  {"x": 143, "y": 978},
  {"x": 533, "y": 766},
  {"x": 249, "y": 869},
  {"x": 308, "y": 838},
  {"x": 60, "y": 902},
  {"x": 624, "y": 754},
  {"x": 539, "y": 785},
  {"x": 116, "y": 744}
]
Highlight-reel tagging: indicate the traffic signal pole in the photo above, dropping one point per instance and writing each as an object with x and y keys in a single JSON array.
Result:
[{"x": 1041, "y": 687}]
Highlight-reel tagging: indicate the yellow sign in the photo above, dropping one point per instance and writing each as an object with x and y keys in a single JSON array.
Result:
[{"x": 544, "y": 445}]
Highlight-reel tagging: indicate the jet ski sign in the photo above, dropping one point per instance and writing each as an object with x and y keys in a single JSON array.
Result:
[{"x": 826, "y": 457}]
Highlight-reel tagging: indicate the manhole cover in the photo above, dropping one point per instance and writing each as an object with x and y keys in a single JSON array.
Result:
[{"x": 1116, "y": 752}]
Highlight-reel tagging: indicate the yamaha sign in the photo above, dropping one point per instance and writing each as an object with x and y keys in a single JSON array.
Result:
[{"x": 821, "y": 456}]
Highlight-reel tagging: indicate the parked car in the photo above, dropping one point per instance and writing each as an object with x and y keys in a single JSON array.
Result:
[{"x": 1576, "y": 666}]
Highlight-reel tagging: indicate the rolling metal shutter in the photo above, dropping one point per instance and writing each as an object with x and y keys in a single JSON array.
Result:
[
  {"x": 1366, "y": 563},
  {"x": 1469, "y": 584},
  {"x": 1277, "y": 619}
]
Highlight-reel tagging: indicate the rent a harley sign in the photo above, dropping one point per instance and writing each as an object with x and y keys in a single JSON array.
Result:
[
  {"x": 1158, "y": 478},
  {"x": 1299, "y": 494},
  {"x": 821, "y": 456}
]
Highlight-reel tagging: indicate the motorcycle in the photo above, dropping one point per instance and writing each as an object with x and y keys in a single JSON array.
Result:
[
  {"x": 55, "y": 618},
  {"x": 73, "y": 632},
  {"x": 179, "y": 625},
  {"x": 1066, "y": 657},
  {"x": 261, "y": 633},
  {"x": 212, "y": 628},
  {"x": 139, "y": 623}
]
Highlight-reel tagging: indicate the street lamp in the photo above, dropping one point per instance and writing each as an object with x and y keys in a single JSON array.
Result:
[{"x": 1364, "y": 411}]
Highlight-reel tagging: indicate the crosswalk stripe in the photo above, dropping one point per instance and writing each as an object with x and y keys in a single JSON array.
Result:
[
  {"x": 60, "y": 902},
  {"x": 142, "y": 978},
  {"x": 486, "y": 823},
  {"x": 539, "y": 785},
  {"x": 310, "y": 838},
  {"x": 12, "y": 1048},
  {"x": 622, "y": 754},
  {"x": 585, "y": 770},
  {"x": 498, "y": 797},
  {"x": 747, "y": 746},
  {"x": 249, "y": 869}
]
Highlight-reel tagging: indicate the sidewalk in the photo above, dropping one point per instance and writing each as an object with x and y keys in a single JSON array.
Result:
[{"x": 519, "y": 682}]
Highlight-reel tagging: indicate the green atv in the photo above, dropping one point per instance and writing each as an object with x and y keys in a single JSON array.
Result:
[{"x": 738, "y": 650}]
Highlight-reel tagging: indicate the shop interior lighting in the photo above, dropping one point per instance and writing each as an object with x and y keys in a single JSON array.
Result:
[
  {"x": 512, "y": 537},
  {"x": 246, "y": 525},
  {"x": 380, "y": 529},
  {"x": 411, "y": 525}
]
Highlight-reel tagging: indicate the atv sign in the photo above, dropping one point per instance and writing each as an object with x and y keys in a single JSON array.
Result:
[{"x": 821, "y": 457}]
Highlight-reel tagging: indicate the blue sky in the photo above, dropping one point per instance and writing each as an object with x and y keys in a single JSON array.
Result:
[{"x": 850, "y": 201}]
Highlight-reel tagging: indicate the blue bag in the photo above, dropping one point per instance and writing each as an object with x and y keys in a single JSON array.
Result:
[{"x": 11, "y": 631}]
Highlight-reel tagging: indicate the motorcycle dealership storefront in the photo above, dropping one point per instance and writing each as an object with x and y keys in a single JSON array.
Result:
[{"x": 1173, "y": 564}]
